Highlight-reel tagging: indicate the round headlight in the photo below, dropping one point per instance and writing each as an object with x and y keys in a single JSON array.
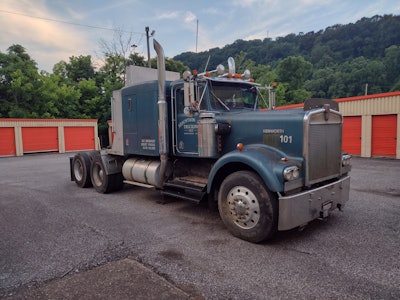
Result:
[
  {"x": 296, "y": 173},
  {"x": 291, "y": 173}
]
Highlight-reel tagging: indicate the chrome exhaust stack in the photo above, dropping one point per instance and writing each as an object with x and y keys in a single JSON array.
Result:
[{"x": 162, "y": 113}]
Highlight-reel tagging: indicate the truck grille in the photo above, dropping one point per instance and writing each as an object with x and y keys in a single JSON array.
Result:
[{"x": 323, "y": 146}]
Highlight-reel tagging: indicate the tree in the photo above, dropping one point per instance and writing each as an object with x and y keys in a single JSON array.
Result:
[
  {"x": 294, "y": 71},
  {"x": 320, "y": 83},
  {"x": 392, "y": 65},
  {"x": 175, "y": 66},
  {"x": 19, "y": 79},
  {"x": 57, "y": 99},
  {"x": 60, "y": 69},
  {"x": 361, "y": 71},
  {"x": 136, "y": 60},
  {"x": 79, "y": 68}
]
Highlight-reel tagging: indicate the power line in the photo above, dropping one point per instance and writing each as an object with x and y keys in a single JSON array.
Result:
[{"x": 67, "y": 22}]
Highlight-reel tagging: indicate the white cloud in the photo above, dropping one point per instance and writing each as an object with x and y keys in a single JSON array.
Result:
[
  {"x": 170, "y": 15},
  {"x": 189, "y": 17},
  {"x": 47, "y": 42}
]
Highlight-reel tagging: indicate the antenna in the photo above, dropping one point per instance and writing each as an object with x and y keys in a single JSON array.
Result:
[
  {"x": 197, "y": 34},
  {"x": 208, "y": 60}
]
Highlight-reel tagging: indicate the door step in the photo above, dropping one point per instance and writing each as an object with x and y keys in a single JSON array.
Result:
[{"x": 189, "y": 188}]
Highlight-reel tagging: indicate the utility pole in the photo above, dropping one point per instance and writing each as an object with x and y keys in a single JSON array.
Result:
[
  {"x": 197, "y": 34},
  {"x": 148, "y": 36}
]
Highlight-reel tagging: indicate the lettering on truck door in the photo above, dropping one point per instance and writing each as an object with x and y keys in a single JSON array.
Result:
[{"x": 185, "y": 127}]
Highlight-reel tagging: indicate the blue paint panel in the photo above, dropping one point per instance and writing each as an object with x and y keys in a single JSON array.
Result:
[
  {"x": 140, "y": 114},
  {"x": 265, "y": 160},
  {"x": 285, "y": 130}
]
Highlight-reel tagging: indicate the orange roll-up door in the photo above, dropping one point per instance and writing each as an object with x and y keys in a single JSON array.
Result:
[
  {"x": 384, "y": 132},
  {"x": 7, "y": 141},
  {"x": 79, "y": 138},
  {"x": 352, "y": 135},
  {"x": 39, "y": 139}
]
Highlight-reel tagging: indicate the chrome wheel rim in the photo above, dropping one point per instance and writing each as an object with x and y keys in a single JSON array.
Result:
[
  {"x": 243, "y": 207},
  {"x": 97, "y": 175},
  {"x": 78, "y": 170}
]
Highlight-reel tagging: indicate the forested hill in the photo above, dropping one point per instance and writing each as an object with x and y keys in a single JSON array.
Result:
[{"x": 340, "y": 61}]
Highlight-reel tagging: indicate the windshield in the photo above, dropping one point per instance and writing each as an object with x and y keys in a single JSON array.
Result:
[{"x": 228, "y": 96}]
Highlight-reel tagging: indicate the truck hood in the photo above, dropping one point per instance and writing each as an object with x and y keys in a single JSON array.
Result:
[{"x": 282, "y": 129}]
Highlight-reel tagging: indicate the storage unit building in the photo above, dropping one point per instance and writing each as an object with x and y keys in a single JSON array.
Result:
[
  {"x": 19, "y": 136},
  {"x": 371, "y": 126}
]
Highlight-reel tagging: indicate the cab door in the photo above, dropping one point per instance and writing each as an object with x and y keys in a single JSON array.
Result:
[{"x": 185, "y": 126}]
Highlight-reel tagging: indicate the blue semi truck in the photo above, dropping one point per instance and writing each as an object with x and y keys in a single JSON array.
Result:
[{"x": 203, "y": 138}]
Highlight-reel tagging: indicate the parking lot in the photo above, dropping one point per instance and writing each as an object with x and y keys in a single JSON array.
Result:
[{"x": 51, "y": 229}]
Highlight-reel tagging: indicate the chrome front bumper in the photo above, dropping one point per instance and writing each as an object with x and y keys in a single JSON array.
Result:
[{"x": 299, "y": 209}]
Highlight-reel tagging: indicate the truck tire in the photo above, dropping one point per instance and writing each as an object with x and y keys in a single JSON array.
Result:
[
  {"x": 118, "y": 181},
  {"x": 81, "y": 169},
  {"x": 247, "y": 208},
  {"x": 101, "y": 182}
]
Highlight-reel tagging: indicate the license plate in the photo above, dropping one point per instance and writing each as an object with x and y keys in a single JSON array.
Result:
[{"x": 325, "y": 209}]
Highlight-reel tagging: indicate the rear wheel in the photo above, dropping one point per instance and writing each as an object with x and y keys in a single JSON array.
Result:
[
  {"x": 102, "y": 182},
  {"x": 81, "y": 169},
  {"x": 118, "y": 181},
  {"x": 247, "y": 208}
]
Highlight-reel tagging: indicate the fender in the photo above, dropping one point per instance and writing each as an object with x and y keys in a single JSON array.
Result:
[
  {"x": 266, "y": 161},
  {"x": 112, "y": 163}
]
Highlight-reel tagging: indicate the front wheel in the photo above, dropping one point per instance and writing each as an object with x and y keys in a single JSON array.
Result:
[{"x": 247, "y": 208}]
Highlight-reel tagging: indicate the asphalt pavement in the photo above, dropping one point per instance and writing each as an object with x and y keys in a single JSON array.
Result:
[
  {"x": 123, "y": 279},
  {"x": 58, "y": 241}
]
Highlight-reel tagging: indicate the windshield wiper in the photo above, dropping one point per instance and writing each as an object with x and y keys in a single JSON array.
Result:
[{"x": 220, "y": 101}]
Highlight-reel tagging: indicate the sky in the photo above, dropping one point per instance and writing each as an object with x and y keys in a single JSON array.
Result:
[{"x": 55, "y": 30}]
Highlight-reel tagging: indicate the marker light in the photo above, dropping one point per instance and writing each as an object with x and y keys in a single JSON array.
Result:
[{"x": 239, "y": 146}]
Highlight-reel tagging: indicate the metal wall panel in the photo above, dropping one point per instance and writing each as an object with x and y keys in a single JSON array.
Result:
[{"x": 383, "y": 105}]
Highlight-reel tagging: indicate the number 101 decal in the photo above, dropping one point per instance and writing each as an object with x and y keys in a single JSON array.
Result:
[{"x": 286, "y": 139}]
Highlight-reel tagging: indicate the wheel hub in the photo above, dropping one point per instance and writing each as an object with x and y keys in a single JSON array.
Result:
[
  {"x": 78, "y": 170},
  {"x": 244, "y": 207},
  {"x": 98, "y": 175},
  {"x": 240, "y": 207}
]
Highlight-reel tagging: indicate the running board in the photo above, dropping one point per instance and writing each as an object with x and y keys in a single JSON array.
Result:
[
  {"x": 183, "y": 196},
  {"x": 183, "y": 190}
]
